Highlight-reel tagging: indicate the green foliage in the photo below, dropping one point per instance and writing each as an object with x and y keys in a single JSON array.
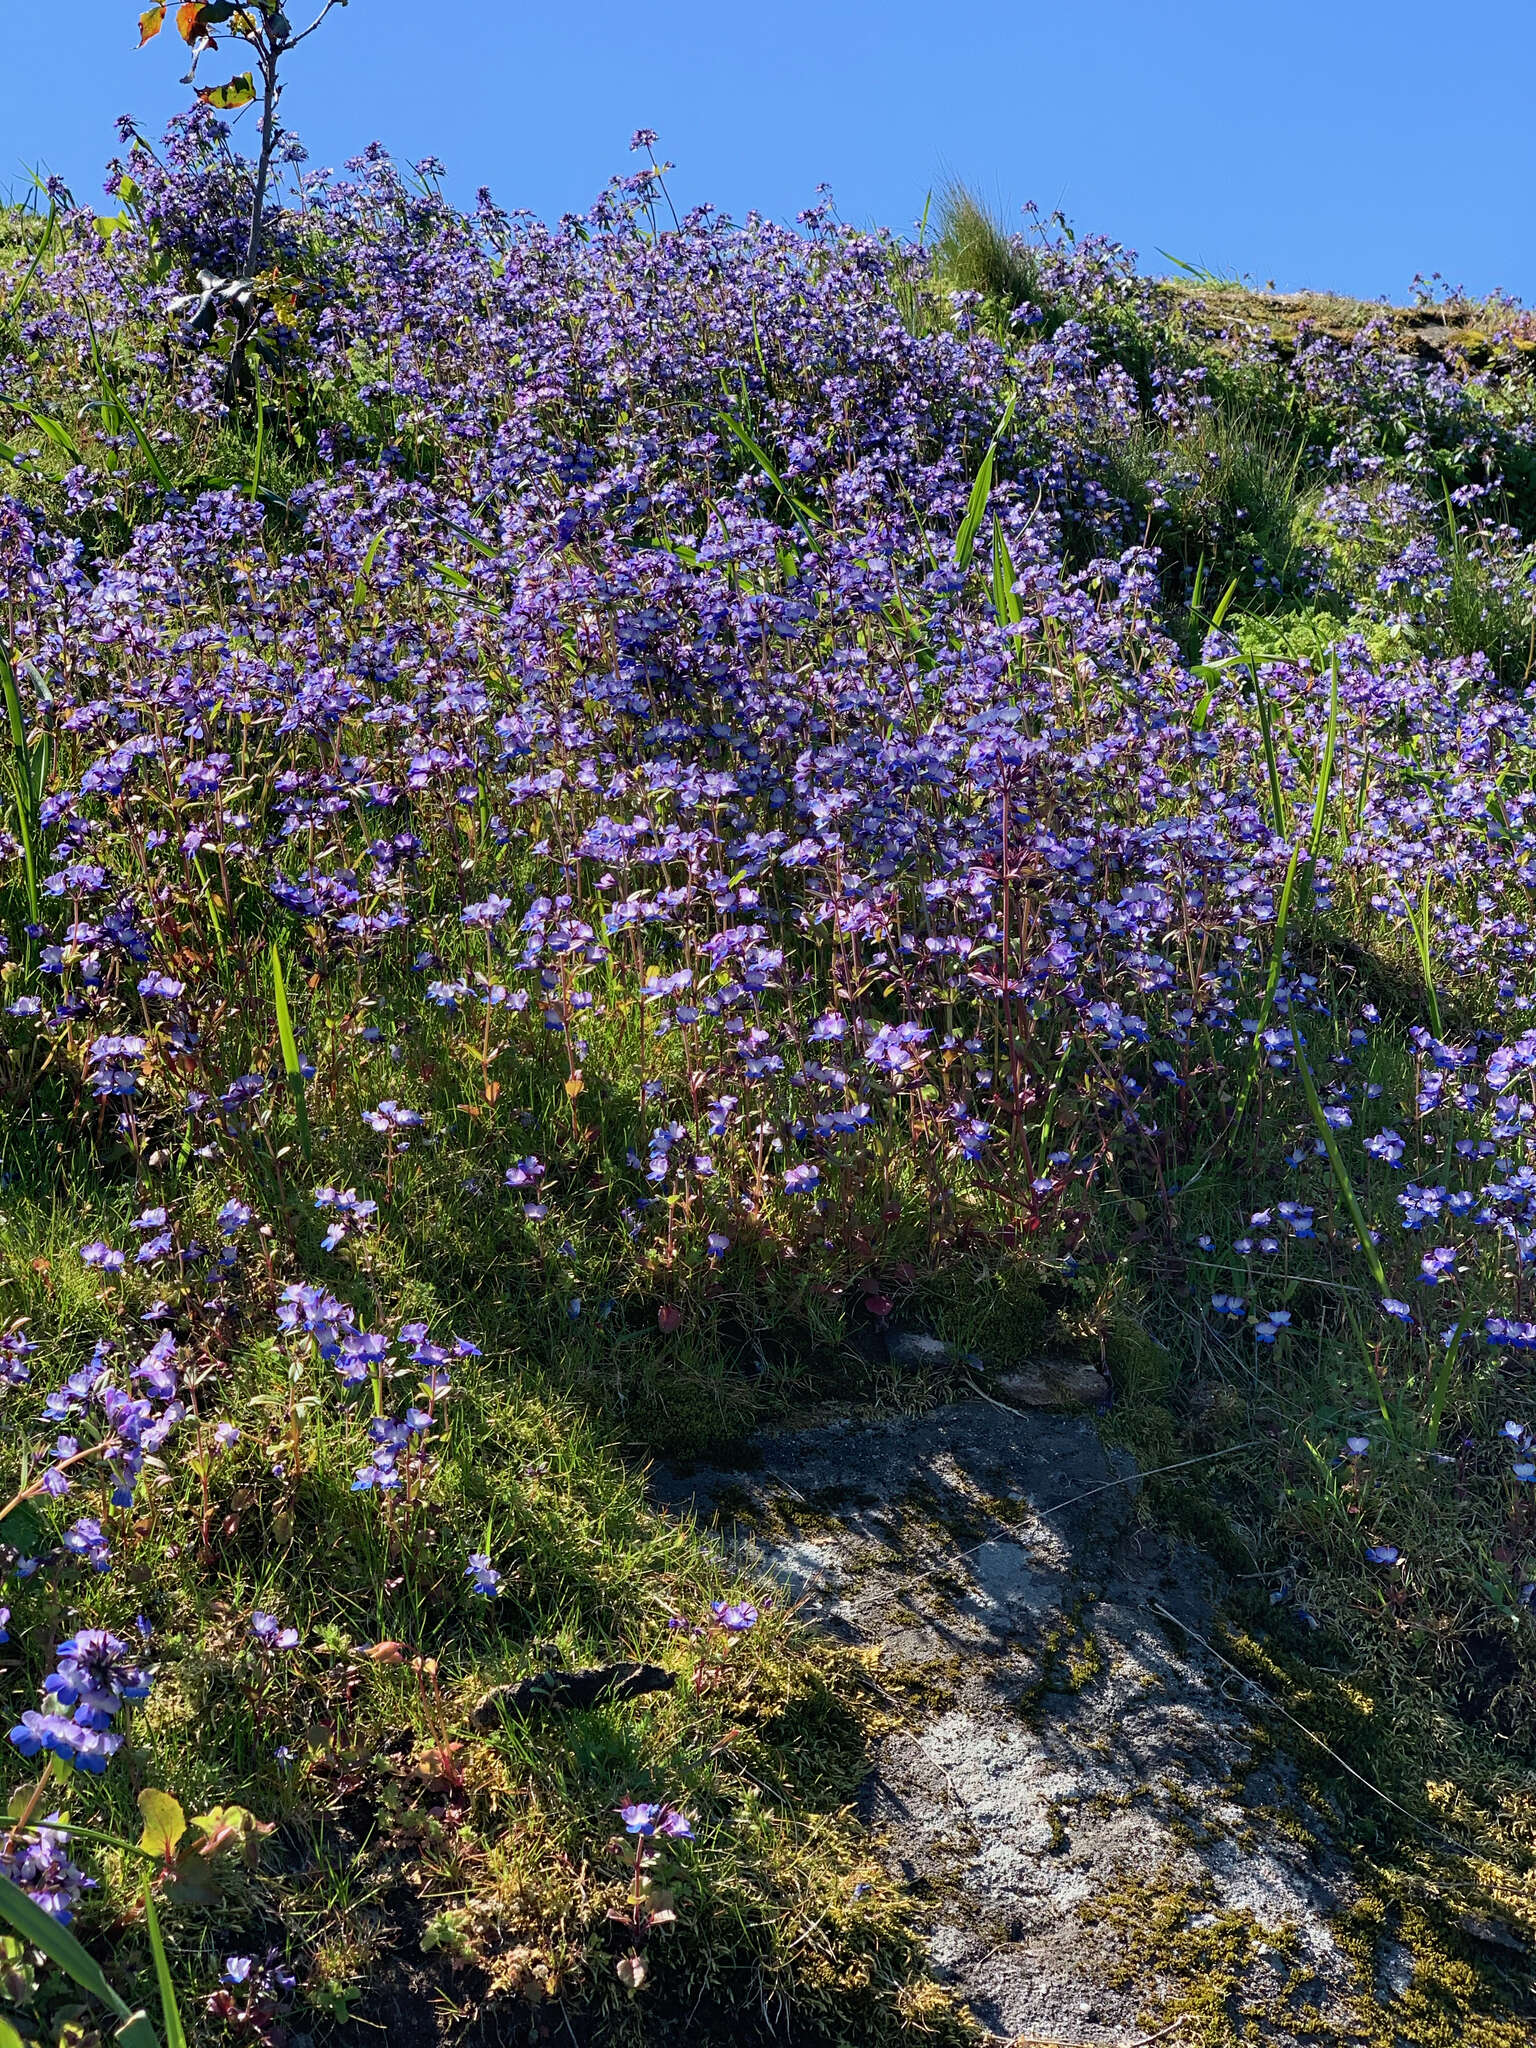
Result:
[
  {"x": 974, "y": 252},
  {"x": 1487, "y": 607},
  {"x": 1223, "y": 495},
  {"x": 781, "y": 1909}
]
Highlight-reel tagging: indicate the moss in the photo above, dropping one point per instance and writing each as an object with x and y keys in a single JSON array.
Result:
[
  {"x": 1057, "y": 1825},
  {"x": 929, "y": 1687},
  {"x": 1072, "y": 1656},
  {"x": 1457, "y": 1995},
  {"x": 1196, "y": 1967}
]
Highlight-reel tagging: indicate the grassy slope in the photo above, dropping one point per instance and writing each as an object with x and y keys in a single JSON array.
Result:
[{"x": 497, "y": 1856}]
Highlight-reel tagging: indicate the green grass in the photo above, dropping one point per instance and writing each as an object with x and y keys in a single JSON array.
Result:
[
  {"x": 763, "y": 1743},
  {"x": 974, "y": 252}
]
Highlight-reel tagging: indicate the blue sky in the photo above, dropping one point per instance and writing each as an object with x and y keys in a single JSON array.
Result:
[{"x": 1342, "y": 145}]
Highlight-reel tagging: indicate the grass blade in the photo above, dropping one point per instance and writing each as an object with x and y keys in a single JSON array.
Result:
[
  {"x": 1277, "y": 955},
  {"x": 1324, "y": 780},
  {"x": 1441, "y": 1387},
  {"x": 1341, "y": 1177},
  {"x": 1223, "y": 605},
  {"x": 1267, "y": 735},
  {"x": 20, "y": 293},
  {"x": 59, "y": 435},
  {"x": 289, "y": 1044},
  {"x": 25, "y": 776},
  {"x": 261, "y": 443},
  {"x": 175, "y": 2033},
  {"x": 981, "y": 492},
  {"x": 1419, "y": 926},
  {"x": 805, "y": 517},
  {"x": 360, "y": 587},
  {"x": 42, "y": 1931},
  {"x": 1005, "y": 600}
]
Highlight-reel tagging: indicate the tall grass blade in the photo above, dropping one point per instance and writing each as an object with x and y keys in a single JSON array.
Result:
[
  {"x": 59, "y": 435},
  {"x": 981, "y": 492},
  {"x": 1005, "y": 602},
  {"x": 40, "y": 1930},
  {"x": 1224, "y": 605},
  {"x": 1341, "y": 1177},
  {"x": 20, "y": 293},
  {"x": 1441, "y": 1388},
  {"x": 804, "y": 516},
  {"x": 115, "y": 398},
  {"x": 290, "y": 1047},
  {"x": 26, "y": 772},
  {"x": 175, "y": 2033},
  {"x": 1324, "y": 779},
  {"x": 215, "y": 922},
  {"x": 360, "y": 587},
  {"x": 1419, "y": 926},
  {"x": 261, "y": 442},
  {"x": 1266, "y": 1006},
  {"x": 1267, "y": 737}
]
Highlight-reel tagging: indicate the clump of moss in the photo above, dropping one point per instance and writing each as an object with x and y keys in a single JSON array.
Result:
[{"x": 1194, "y": 1964}]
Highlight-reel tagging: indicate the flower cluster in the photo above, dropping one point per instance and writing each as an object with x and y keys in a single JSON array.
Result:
[{"x": 93, "y": 1681}]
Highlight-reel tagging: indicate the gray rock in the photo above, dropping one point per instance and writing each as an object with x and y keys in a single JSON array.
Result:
[
  {"x": 912, "y": 1350},
  {"x": 1055, "y": 1383},
  {"x": 1065, "y": 1753}
]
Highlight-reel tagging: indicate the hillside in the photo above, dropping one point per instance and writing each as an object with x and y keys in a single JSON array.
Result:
[{"x": 625, "y": 834}]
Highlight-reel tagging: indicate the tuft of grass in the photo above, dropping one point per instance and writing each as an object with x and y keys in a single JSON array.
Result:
[
  {"x": 1489, "y": 606},
  {"x": 974, "y": 252},
  {"x": 1224, "y": 496}
]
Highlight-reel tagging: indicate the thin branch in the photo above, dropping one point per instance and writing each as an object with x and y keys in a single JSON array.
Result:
[
  {"x": 107, "y": 1444},
  {"x": 294, "y": 41}
]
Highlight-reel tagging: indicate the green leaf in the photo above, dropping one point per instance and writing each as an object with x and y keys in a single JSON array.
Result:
[
  {"x": 136, "y": 2032},
  {"x": 151, "y": 21},
  {"x": 290, "y": 1046},
  {"x": 57, "y": 1944},
  {"x": 22, "y": 1529},
  {"x": 21, "y": 1799},
  {"x": 175, "y": 2033},
  {"x": 190, "y": 1882},
  {"x": 981, "y": 492},
  {"x": 238, "y": 92},
  {"x": 164, "y": 1823}
]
